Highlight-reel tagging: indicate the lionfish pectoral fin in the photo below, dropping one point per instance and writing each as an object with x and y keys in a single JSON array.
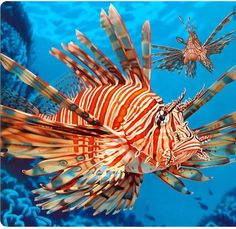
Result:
[
  {"x": 14, "y": 100},
  {"x": 29, "y": 136},
  {"x": 219, "y": 27},
  {"x": 189, "y": 173},
  {"x": 214, "y": 161},
  {"x": 222, "y": 124},
  {"x": 222, "y": 139},
  {"x": 217, "y": 46},
  {"x": 109, "y": 196},
  {"x": 227, "y": 78},
  {"x": 206, "y": 62},
  {"x": 170, "y": 59},
  {"x": 174, "y": 182},
  {"x": 69, "y": 84}
]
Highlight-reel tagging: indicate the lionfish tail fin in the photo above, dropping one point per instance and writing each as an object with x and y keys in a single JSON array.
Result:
[{"x": 227, "y": 78}]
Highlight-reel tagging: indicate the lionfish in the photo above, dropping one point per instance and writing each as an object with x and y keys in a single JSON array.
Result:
[
  {"x": 175, "y": 59},
  {"x": 99, "y": 144}
]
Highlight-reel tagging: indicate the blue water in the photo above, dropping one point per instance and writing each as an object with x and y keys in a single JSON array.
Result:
[{"x": 55, "y": 22}]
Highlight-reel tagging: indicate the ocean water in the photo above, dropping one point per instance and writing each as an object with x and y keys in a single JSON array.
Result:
[{"x": 54, "y": 22}]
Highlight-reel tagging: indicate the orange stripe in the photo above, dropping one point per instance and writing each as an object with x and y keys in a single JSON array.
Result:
[{"x": 124, "y": 108}]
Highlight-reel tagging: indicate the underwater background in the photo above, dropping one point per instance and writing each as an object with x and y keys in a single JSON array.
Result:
[{"x": 30, "y": 29}]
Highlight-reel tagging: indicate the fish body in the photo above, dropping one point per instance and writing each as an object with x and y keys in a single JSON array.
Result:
[{"x": 109, "y": 129}]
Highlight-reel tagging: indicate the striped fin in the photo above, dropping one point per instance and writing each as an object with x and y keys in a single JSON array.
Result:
[
  {"x": 45, "y": 89},
  {"x": 104, "y": 76},
  {"x": 214, "y": 161},
  {"x": 14, "y": 100},
  {"x": 101, "y": 57},
  {"x": 110, "y": 197},
  {"x": 68, "y": 84},
  {"x": 221, "y": 139},
  {"x": 123, "y": 36},
  {"x": 219, "y": 44},
  {"x": 225, "y": 21},
  {"x": 115, "y": 42},
  {"x": 146, "y": 49},
  {"x": 172, "y": 181},
  {"x": 121, "y": 44},
  {"x": 189, "y": 173},
  {"x": 226, "y": 122},
  {"x": 225, "y": 79},
  {"x": 191, "y": 67},
  {"x": 29, "y": 136},
  {"x": 170, "y": 59},
  {"x": 224, "y": 149},
  {"x": 81, "y": 72},
  {"x": 95, "y": 177}
]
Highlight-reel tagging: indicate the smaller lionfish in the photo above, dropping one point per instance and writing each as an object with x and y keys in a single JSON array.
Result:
[
  {"x": 101, "y": 140},
  {"x": 175, "y": 59}
]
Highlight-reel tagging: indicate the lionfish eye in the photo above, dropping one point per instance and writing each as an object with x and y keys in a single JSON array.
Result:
[{"x": 162, "y": 117}]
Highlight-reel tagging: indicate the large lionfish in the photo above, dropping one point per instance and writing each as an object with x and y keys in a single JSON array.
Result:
[
  {"x": 175, "y": 59},
  {"x": 100, "y": 143}
]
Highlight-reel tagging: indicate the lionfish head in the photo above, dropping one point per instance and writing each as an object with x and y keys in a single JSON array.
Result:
[
  {"x": 190, "y": 28},
  {"x": 181, "y": 142}
]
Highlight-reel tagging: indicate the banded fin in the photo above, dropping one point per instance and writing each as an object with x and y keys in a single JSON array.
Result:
[
  {"x": 68, "y": 84},
  {"x": 101, "y": 57},
  {"x": 191, "y": 68},
  {"x": 222, "y": 139},
  {"x": 208, "y": 94},
  {"x": 29, "y": 136},
  {"x": 205, "y": 164},
  {"x": 172, "y": 181},
  {"x": 122, "y": 44},
  {"x": 219, "y": 44},
  {"x": 88, "y": 78},
  {"x": 13, "y": 99},
  {"x": 45, "y": 89},
  {"x": 189, "y": 173},
  {"x": 109, "y": 197},
  {"x": 146, "y": 49},
  {"x": 171, "y": 59},
  {"x": 104, "y": 76},
  {"x": 219, "y": 27},
  {"x": 222, "y": 124}
]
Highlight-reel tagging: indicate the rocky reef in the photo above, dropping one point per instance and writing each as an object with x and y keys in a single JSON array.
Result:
[{"x": 224, "y": 213}]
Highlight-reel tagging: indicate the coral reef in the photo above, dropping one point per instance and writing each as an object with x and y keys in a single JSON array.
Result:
[
  {"x": 15, "y": 43},
  {"x": 225, "y": 212},
  {"x": 17, "y": 209}
]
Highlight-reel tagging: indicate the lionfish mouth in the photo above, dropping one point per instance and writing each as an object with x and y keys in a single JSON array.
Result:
[{"x": 185, "y": 150}]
